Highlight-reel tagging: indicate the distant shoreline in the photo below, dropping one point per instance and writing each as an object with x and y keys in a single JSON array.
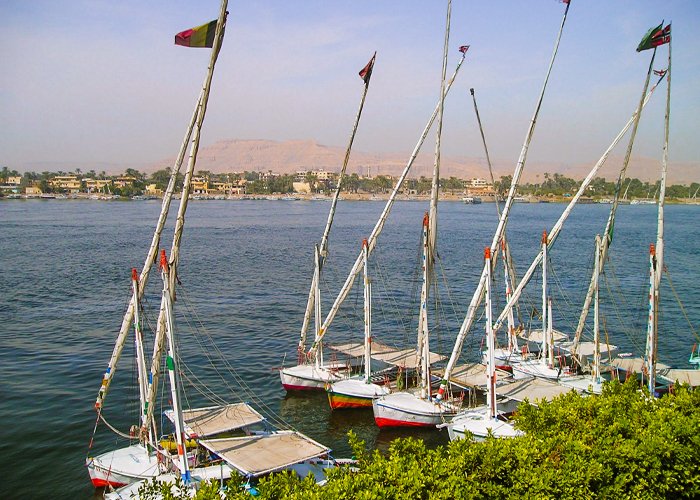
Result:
[{"x": 450, "y": 197}]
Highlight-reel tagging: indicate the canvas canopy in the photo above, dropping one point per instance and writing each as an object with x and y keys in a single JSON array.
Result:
[
  {"x": 532, "y": 389},
  {"x": 217, "y": 419},
  {"x": 261, "y": 454},
  {"x": 405, "y": 358}
]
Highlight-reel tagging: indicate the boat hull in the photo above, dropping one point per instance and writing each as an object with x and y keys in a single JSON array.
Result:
[
  {"x": 310, "y": 378},
  {"x": 123, "y": 466},
  {"x": 354, "y": 393},
  {"x": 403, "y": 409},
  {"x": 480, "y": 425}
]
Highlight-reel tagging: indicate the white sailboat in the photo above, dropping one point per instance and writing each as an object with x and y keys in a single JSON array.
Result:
[
  {"x": 146, "y": 458},
  {"x": 359, "y": 392},
  {"x": 484, "y": 421},
  {"x": 311, "y": 371},
  {"x": 498, "y": 235},
  {"x": 416, "y": 407},
  {"x": 150, "y": 458},
  {"x": 306, "y": 375}
]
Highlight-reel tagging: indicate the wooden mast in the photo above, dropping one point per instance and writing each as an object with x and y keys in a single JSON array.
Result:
[
  {"x": 376, "y": 231},
  {"x": 609, "y": 226},
  {"x": 656, "y": 256},
  {"x": 554, "y": 232},
  {"x": 314, "y": 292},
  {"x": 479, "y": 292},
  {"x": 159, "y": 341}
]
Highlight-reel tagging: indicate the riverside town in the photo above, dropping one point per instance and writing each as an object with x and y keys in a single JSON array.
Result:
[{"x": 320, "y": 184}]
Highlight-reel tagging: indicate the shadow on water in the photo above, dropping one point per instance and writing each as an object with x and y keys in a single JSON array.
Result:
[{"x": 309, "y": 412}]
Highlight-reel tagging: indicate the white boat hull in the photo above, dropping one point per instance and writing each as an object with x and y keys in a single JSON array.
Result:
[
  {"x": 480, "y": 425},
  {"x": 403, "y": 409},
  {"x": 123, "y": 466},
  {"x": 309, "y": 377}
]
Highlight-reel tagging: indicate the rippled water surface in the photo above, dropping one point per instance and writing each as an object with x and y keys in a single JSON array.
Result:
[{"x": 245, "y": 269}]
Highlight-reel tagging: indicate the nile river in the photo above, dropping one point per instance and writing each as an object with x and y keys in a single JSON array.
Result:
[{"x": 246, "y": 268}]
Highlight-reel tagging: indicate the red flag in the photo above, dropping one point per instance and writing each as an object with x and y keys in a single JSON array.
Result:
[
  {"x": 366, "y": 72},
  {"x": 660, "y": 72},
  {"x": 464, "y": 48}
]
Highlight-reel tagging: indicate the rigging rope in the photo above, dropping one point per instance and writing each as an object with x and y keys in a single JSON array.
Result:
[{"x": 680, "y": 304}]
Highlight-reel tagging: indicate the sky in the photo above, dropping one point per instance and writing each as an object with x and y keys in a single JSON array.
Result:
[{"x": 97, "y": 84}]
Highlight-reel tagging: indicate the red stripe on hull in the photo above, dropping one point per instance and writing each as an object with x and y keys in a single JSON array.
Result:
[
  {"x": 289, "y": 387},
  {"x": 390, "y": 422},
  {"x": 101, "y": 483}
]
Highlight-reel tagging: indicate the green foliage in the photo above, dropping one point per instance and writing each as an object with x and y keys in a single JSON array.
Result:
[{"x": 621, "y": 444}]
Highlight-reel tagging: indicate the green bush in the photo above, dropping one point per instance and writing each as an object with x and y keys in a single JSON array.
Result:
[{"x": 619, "y": 445}]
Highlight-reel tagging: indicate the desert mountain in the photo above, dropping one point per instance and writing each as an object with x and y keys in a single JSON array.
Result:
[{"x": 261, "y": 155}]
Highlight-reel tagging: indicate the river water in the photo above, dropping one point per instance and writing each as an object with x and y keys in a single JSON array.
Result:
[{"x": 246, "y": 268}]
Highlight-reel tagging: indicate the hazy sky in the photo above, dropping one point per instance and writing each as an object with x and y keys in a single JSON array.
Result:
[{"x": 100, "y": 84}]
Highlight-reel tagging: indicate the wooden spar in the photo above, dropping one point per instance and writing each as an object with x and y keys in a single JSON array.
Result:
[
  {"x": 596, "y": 309},
  {"x": 372, "y": 240},
  {"x": 172, "y": 363},
  {"x": 368, "y": 315},
  {"x": 657, "y": 258},
  {"x": 317, "y": 303},
  {"x": 421, "y": 354},
  {"x": 140, "y": 356},
  {"x": 490, "y": 340},
  {"x": 544, "y": 350},
  {"x": 435, "y": 187},
  {"x": 609, "y": 227},
  {"x": 148, "y": 264},
  {"x": 509, "y": 268},
  {"x": 313, "y": 297},
  {"x": 554, "y": 232},
  {"x": 159, "y": 341},
  {"x": 430, "y": 232},
  {"x": 479, "y": 292}
]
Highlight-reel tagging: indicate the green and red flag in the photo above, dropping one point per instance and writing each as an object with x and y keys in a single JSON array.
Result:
[
  {"x": 201, "y": 36},
  {"x": 366, "y": 72},
  {"x": 655, "y": 37}
]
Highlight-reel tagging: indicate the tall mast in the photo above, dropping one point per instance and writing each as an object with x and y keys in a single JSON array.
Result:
[
  {"x": 657, "y": 254},
  {"x": 159, "y": 341},
  {"x": 148, "y": 264},
  {"x": 172, "y": 363},
  {"x": 423, "y": 344},
  {"x": 368, "y": 315},
  {"x": 554, "y": 232},
  {"x": 545, "y": 324},
  {"x": 596, "y": 309},
  {"x": 479, "y": 292},
  {"x": 372, "y": 240},
  {"x": 140, "y": 356},
  {"x": 366, "y": 75},
  {"x": 490, "y": 340},
  {"x": 509, "y": 269},
  {"x": 610, "y": 225},
  {"x": 430, "y": 233}
]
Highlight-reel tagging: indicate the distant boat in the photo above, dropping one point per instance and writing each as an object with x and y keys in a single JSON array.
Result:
[{"x": 472, "y": 200}]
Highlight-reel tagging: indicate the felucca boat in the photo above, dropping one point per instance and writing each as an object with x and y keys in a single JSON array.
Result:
[
  {"x": 484, "y": 421},
  {"x": 252, "y": 454}
]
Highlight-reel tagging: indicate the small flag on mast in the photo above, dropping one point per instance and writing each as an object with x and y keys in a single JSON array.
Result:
[
  {"x": 366, "y": 72},
  {"x": 659, "y": 72},
  {"x": 201, "y": 36},
  {"x": 464, "y": 48},
  {"x": 655, "y": 37}
]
